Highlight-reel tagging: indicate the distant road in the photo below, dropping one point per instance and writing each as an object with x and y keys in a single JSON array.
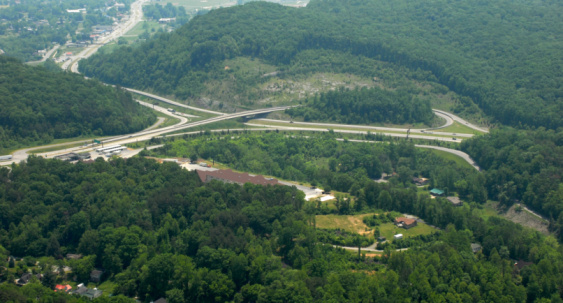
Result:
[
  {"x": 135, "y": 17},
  {"x": 46, "y": 56},
  {"x": 460, "y": 120},
  {"x": 456, "y": 152}
]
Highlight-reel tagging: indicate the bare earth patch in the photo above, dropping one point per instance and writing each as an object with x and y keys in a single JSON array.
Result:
[{"x": 525, "y": 218}]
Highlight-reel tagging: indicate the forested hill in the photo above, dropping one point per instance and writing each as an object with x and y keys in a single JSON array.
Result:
[
  {"x": 38, "y": 106},
  {"x": 503, "y": 54}
]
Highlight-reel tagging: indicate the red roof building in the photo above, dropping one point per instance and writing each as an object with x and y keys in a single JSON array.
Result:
[
  {"x": 65, "y": 288},
  {"x": 405, "y": 222},
  {"x": 229, "y": 176}
]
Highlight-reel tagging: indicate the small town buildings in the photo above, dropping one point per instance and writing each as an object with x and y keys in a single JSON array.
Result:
[
  {"x": 229, "y": 176},
  {"x": 96, "y": 276},
  {"x": 455, "y": 201},
  {"x": 437, "y": 192},
  {"x": 398, "y": 237},
  {"x": 405, "y": 223}
]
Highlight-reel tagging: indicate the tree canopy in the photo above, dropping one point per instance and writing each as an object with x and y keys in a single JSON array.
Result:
[{"x": 40, "y": 105}]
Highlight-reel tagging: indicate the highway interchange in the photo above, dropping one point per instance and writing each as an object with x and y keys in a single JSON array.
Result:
[{"x": 184, "y": 123}]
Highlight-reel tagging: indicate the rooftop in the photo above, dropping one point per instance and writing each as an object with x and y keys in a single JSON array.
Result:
[
  {"x": 436, "y": 191},
  {"x": 407, "y": 221},
  {"x": 240, "y": 178}
]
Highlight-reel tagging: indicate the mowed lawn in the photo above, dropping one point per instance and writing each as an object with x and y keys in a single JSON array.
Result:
[{"x": 354, "y": 223}]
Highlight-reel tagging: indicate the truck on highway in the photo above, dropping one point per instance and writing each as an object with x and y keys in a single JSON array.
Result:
[{"x": 6, "y": 158}]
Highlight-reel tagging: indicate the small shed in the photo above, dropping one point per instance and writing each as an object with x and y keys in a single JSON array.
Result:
[
  {"x": 381, "y": 239},
  {"x": 397, "y": 236}
]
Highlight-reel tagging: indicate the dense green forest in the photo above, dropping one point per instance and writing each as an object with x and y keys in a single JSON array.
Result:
[
  {"x": 364, "y": 106},
  {"x": 157, "y": 231},
  {"x": 40, "y": 105},
  {"x": 523, "y": 166},
  {"x": 503, "y": 55}
]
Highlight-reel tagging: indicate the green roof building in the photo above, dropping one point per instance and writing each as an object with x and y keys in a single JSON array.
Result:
[{"x": 436, "y": 192}]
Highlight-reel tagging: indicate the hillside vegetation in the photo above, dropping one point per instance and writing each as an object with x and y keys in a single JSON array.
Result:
[
  {"x": 503, "y": 55},
  {"x": 364, "y": 106},
  {"x": 157, "y": 231},
  {"x": 39, "y": 105}
]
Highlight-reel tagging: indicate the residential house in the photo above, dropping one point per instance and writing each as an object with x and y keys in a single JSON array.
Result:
[
  {"x": 63, "y": 288},
  {"x": 420, "y": 181},
  {"x": 86, "y": 292},
  {"x": 74, "y": 256},
  {"x": 25, "y": 278},
  {"x": 405, "y": 223},
  {"x": 475, "y": 247},
  {"x": 437, "y": 192},
  {"x": 96, "y": 276},
  {"x": 455, "y": 201}
]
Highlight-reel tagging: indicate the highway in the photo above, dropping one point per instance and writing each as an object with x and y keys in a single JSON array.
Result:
[
  {"x": 378, "y": 129},
  {"x": 360, "y": 132},
  {"x": 159, "y": 98},
  {"x": 46, "y": 56}
]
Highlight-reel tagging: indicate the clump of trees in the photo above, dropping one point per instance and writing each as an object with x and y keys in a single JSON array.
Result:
[{"x": 364, "y": 106}]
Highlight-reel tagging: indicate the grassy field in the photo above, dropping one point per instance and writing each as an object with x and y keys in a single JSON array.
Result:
[
  {"x": 355, "y": 224},
  {"x": 458, "y": 160},
  {"x": 387, "y": 230},
  {"x": 143, "y": 26},
  {"x": 167, "y": 120}
]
